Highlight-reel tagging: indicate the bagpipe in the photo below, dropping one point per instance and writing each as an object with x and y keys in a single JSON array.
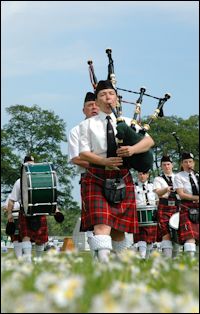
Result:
[
  {"x": 179, "y": 146},
  {"x": 126, "y": 134}
]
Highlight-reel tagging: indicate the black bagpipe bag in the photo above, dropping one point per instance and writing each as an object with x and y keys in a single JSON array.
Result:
[{"x": 141, "y": 162}]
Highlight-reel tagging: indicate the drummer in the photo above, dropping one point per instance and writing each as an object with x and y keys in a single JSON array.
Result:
[
  {"x": 144, "y": 197},
  {"x": 168, "y": 204},
  {"x": 29, "y": 232}
]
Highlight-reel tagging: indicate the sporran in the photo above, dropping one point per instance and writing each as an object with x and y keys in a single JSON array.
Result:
[
  {"x": 194, "y": 215},
  {"x": 114, "y": 190}
]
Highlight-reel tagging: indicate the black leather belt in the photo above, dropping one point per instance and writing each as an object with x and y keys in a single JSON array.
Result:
[
  {"x": 97, "y": 166},
  {"x": 105, "y": 167}
]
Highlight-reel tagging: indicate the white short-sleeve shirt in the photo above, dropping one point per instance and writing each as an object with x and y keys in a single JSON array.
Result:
[
  {"x": 140, "y": 194},
  {"x": 73, "y": 143},
  {"x": 16, "y": 207},
  {"x": 15, "y": 195},
  {"x": 93, "y": 133},
  {"x": 160, "y": 183},
  {"x": 181, "y": 181},
  {"x": 74, "y": 146}
]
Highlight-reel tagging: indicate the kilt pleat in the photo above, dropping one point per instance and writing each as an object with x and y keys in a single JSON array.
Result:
[
  {"x": 39, "y": 236},
  {"x": 147, "y": 233},
  {"x": 164, "y": 214},
  {"x": 187, "y": 229},
  {"x": 97, "y": 210}
]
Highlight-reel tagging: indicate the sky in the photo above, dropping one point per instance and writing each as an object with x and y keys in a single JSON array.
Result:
[{"x": 45, "y": 46}]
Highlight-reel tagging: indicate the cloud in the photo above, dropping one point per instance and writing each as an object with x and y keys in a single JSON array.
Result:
[
  {"x": 59, "y": 35},
  {"x": 55, "y": 15}
]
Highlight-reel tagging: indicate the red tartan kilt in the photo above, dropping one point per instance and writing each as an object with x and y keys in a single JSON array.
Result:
[
  {"x": 147, "y": 233},
  {"x": 96, "y": 209},
  {"x": 40, "y": 236},
  {"x": 187, "y": 229},
  {"x": 164, "y": 214}
]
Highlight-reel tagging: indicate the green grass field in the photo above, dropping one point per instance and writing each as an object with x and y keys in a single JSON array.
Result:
[{"x": 71, "y": 282}]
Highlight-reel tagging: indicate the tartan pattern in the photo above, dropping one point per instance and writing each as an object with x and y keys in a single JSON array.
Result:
[
  {"x": 159, "y": 234},
  {"x": 16, "y": 236},
  {"x": 97, "y": 210},
  {"x": 147, "y": 233},
  {"x": 40, "y": 236},
  {"x": 187, "y": 229},
  {"x": 164, "y": 214}
]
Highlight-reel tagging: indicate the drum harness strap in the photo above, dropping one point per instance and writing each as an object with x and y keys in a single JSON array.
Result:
[{"x": 173, "y": 194}]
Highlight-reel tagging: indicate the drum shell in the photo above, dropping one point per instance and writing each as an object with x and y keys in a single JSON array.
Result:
[
  {"x": 146, "y": 215},
  {"x": 38, "y": 189}
]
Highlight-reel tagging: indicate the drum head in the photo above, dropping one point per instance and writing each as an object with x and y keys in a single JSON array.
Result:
[{"x": 174, "y": 221}]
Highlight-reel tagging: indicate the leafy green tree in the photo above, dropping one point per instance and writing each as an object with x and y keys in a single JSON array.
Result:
[
  {"x": 10, "y": 163},
  {"x": 67, "y": 226},
  {"x": 165, "y": 143},
  {"x": 40, "y": 133}
]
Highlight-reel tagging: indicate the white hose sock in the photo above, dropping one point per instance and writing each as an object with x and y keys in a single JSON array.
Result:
[
  {"x": 176, "y": 249},
  {"x": 27, "y": 247},
  {"x": 102, "y": 245},
  {"x": 119, "y": 246},
  {"x": 189, "y": 248},
  {"x": 17, "y": 249},
  {"x": 39, "y": 249},
  {"x": 149, "y": 250},
  {"x": 90, "y": 235},
  {"x": 166, "y": 246},
  {"x": 142, "y": 247},
  {"x": 103, "y": 255}
]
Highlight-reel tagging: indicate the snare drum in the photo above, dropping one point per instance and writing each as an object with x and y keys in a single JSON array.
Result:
[
  {"x": 38, "y": 189},
  {"x": 146, "y": 215},
  {"x": 174, "y": 226}
]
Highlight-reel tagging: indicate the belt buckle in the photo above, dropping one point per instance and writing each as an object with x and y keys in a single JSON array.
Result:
[{"x": 171, "y": 203}]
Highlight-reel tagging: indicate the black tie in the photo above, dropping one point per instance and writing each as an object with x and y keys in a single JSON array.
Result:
[
  {"x": 170, "y": 181},
  {"x": 146, "y": 196},
  {"x": 194, "y": 187},
  {"x": 111, "y": 143}
]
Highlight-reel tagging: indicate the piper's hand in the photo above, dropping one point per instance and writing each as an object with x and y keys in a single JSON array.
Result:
[
  {"x": 125, "y": 151},
  {"x": 113, "y": 162},
  {"x": 196, "y": 200},
  {"x": 169, "y": 189}
]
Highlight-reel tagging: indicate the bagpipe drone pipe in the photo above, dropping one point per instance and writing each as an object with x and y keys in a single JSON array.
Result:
[{"x": 126, "y": 134}]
